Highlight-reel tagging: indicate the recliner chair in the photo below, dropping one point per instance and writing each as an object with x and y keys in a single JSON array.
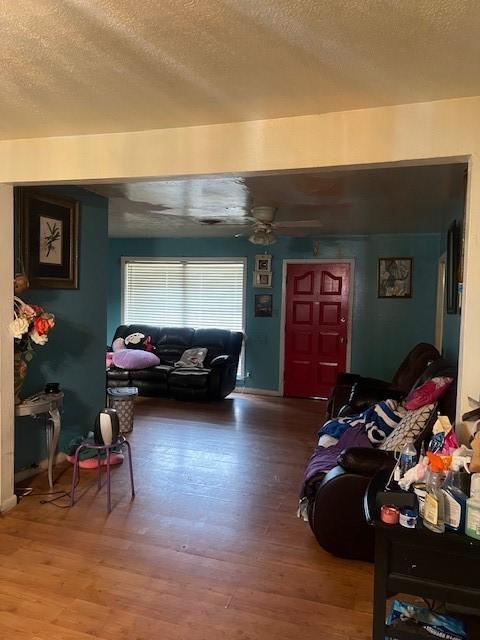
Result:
[{"x": 361, "y": 392}]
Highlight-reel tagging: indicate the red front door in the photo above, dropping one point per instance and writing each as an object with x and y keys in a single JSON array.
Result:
[{"x": 316, "y": 327}]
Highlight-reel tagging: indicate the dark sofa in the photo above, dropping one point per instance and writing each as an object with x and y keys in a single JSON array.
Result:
[
  {"x": 214, "y": 381},
  {"x": 336, "y": 499}
]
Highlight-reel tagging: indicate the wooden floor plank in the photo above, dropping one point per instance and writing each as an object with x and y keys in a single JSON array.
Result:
[{"x": 210, "y": 549}]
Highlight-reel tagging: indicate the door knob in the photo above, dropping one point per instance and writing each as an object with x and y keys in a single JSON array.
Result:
[{"x": 342, "y": 320}]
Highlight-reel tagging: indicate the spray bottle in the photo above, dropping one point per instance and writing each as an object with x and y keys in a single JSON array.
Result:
[
  {"x": 434, "y": 509},
  {"x": 456, "y": 494}
]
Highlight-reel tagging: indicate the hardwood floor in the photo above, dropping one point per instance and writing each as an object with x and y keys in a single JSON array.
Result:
[{"x": 210, "y": 549}]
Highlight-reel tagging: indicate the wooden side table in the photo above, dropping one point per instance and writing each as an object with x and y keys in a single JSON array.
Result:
[
  {"x": 440, "y": 566},
  {"x": 48, "y": 405}
]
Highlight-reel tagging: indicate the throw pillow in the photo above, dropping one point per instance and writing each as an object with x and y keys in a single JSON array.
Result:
[
  {"x": 192, "y": 358},
  {"x": 117, "y": 344},
  {"x": 135, "y": 359},
  {"x": 408, "y": 429},
  {"x": 428, "y": 392},
  {"x": 139, "y": 341}
]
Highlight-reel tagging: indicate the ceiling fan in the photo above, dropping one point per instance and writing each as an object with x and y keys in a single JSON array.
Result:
[{"x": 264, "y": 229}]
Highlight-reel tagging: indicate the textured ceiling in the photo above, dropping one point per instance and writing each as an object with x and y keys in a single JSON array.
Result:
[
  {"x": 89, "y": 66},
  {"x": 400, "y": 199}
]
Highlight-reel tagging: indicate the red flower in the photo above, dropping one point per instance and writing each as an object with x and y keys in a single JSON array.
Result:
[
  {"x": 38, "y": 310},
  {"x": 41, "y": 326}
]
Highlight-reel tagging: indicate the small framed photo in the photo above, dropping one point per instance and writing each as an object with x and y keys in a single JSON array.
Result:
[
  {"x": 263, "y": 305},
  {"x": 395, "y": 277},
  {"x": 49, "y": 240},
  {"x": 263, "y": 262},
  {"x": 262, "y": 280}
]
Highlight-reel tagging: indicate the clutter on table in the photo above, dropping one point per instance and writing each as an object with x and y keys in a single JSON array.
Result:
[{"x": 443, "y": 483}]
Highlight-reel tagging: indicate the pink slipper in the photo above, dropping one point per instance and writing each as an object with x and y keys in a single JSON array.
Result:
[{"x": 92, "y": 463}]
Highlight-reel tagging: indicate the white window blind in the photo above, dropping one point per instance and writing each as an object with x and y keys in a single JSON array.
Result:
[{"x": 185, "y": 293}]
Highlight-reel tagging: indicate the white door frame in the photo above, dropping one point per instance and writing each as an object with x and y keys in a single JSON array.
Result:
[
  {"x": 351, "y": 262},
  {"x": 7, "y": 407}
]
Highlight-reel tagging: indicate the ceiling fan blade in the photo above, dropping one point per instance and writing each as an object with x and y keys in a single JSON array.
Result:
[
  {"x": 291, "y": 233},
  {"x": 299, "y": 223}
]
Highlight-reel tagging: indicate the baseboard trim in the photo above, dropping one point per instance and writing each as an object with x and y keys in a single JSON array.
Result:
[
  {"x": 24, "y": 474},
  {"x": 257, "y": 392},
  {"x": 8, "y": 504}
]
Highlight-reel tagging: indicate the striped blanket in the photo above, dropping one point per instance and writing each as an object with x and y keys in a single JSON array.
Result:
[{"x": 378, "y": 420}]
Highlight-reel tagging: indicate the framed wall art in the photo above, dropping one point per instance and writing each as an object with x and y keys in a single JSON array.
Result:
[
  {"x": 263, "y": 262},
  {"x": 263, "y": 305},
  {"x": 395, "y": 277},
  {"x": 262, "y": 280},
  {"x": 49, "y": 229}
]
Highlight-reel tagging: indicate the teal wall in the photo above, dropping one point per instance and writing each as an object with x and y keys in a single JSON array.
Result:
[
  {"x": 74, "y": 355},
  {"x": 383, "y": 331}
]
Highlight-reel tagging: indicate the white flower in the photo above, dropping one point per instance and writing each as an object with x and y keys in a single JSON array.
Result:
[
  {"x": 18, "y": 327},
  {"x": 37, "y": 338}
]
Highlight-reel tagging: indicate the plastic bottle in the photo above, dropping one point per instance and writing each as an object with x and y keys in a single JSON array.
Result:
[
  {"x": 434, "y": 509},
  {"x": 408, "y": 458},
  {"x": 455, "y": 498},
  {"x": 472, "y": 520}
]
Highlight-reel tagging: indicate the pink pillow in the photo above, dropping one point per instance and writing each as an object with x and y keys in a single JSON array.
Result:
[
  {"x": 428, "y": 392},
  {"x": 135, "y": 359}
]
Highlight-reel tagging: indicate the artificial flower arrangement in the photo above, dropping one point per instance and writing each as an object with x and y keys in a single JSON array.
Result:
[{"x": 30, "y": 326}]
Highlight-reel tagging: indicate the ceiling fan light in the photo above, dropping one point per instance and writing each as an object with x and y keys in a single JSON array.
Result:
[
  {"x": 257, "y": 237},
  {"x": 262, "y": 237}
]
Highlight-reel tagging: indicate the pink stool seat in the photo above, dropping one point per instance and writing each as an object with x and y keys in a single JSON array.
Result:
[{"x": 92, "y": 463}]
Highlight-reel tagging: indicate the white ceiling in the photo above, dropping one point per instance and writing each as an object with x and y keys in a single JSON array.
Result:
[
  {"x": 397, "y": 199},
  {"x": 89, "y": 66}
]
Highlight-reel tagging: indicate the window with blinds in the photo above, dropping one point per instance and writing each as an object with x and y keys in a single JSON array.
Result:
[{"x": 185, "y": 293}]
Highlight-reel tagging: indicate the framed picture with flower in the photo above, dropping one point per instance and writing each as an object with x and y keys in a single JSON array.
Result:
[
  {"x": 49, "y": 231},
  {"x": 395, "y": 277}
]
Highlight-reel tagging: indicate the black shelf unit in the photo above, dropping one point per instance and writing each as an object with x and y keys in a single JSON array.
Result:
[{"x": 444, "y": 567}]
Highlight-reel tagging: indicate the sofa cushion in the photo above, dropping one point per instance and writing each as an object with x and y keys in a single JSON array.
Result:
[
  {"x": 217, "y": 342},
  {"x": 188, "y": 378},
  {"x": 172, "y": 342},
  {"x": 118, "y": 374},
  {"x": 159, "y": 373}
]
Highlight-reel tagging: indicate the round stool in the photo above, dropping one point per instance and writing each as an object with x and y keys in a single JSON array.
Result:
[{"x": 90, "y": 444}]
